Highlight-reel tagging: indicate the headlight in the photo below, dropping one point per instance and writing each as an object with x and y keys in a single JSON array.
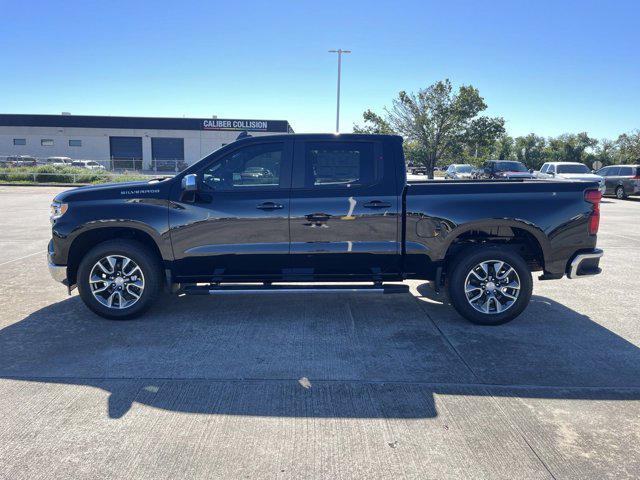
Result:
[{"x": 57, "y": 210}]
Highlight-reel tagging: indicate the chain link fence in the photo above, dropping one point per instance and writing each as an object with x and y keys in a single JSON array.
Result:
[{"x": 120, "y": 164}]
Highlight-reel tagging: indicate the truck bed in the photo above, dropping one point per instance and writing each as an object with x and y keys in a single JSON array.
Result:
[{"x": 554, "y": 214}]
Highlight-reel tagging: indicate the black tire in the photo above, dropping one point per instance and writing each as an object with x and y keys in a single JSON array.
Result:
[
  {"x": 145, "y": 259},
  {"x": 465, "y": 262},
  {"x": 620, "y": 194}
]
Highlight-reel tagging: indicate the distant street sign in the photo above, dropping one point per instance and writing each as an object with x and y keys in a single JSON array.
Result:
[{"x": 597, "y": 165}]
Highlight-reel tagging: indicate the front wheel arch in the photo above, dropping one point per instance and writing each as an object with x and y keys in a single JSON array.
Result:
[{"x": 90, "y": 238}]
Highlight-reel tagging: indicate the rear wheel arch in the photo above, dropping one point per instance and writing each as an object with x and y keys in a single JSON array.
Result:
[
  {"x": 521, "y": 238},
  {"x": 85, "y": 241}
]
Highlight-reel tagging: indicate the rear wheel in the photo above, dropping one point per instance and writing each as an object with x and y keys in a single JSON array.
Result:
[
  {"x": 119, "y": 279},
  {"x": 620, "y": 193},
  {"x": 490, "y": 286}
]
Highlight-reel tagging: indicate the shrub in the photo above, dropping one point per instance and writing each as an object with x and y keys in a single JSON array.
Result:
[{"x": 63, "y": 174}]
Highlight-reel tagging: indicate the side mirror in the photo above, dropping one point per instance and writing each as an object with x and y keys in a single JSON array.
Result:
[{"x": 190, "y": 183}]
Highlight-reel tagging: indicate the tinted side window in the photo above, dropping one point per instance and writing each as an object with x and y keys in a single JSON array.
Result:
[
  {"x": 626, "y": 171},
  {"x": 544, "y": 168},
  {"x": 613, "y": 171},
  {"x": 341, "y": 164},
  {"x": 253, "y": 166}
]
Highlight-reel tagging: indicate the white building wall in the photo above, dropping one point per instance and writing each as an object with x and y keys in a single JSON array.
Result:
[{"x": 95, "y": 141}]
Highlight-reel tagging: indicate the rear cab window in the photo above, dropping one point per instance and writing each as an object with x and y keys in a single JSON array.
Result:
[{"x": 342, "y": 165}]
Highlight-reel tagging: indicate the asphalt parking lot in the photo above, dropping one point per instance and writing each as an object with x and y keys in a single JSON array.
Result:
[{"x": 308, "y": 386}]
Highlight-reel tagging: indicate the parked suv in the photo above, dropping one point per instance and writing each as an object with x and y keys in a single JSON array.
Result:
[
  {"x": 621, "y": 180},
  {"x": 503, "y": 169}
]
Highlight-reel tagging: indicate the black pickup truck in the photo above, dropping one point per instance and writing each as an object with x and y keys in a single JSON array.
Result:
[{"x": 278, "y": 211}]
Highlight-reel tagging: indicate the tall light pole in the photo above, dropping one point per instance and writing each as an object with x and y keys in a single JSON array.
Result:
[{"x": 339, "y": 52}]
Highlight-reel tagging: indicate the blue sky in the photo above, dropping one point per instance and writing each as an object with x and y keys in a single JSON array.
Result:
[{"x": 546, "y": 67}]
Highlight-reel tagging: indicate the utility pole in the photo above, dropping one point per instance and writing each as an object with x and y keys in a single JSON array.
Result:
[{"x": 339, "y": 52}]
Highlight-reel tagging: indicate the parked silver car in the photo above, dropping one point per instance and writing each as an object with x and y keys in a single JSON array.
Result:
[
  {"x": 88, "y": 164},
  {"x": 459, "y": 171}
]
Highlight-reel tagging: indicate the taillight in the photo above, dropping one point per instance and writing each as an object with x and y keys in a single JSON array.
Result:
[{"x": 593, "y": 197}]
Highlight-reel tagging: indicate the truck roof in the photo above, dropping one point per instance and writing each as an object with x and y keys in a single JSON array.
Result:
[{"x": 324, "y": 136}]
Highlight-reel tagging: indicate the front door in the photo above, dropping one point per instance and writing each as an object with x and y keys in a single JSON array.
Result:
[
  {"x": 236, "y": 226},
  {"x": 344, "y": 219}
]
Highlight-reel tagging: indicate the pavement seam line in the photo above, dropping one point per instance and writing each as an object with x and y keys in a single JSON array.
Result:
[
  {"x": 21, "y": 258},
  {"x": 36, "y": 378},
  {"x": 486, "y": 389}
]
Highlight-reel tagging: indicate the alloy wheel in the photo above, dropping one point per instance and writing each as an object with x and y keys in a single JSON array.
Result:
[
  {"x": 492, "y": 287},
  {"x": 116, "y": 281}
]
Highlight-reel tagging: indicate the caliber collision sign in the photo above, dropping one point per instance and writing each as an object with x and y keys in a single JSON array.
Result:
[{"x": 251, "y": 125}]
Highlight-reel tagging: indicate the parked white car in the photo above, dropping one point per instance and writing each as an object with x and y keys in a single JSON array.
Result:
[
  {"x": 569, "y": 171},
  {"x": 88, "y": 164},
  {"x": 59, "y": 161}
]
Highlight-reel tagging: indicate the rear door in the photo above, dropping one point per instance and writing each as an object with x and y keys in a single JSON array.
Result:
[
  {"x": 611, "y": 179},
  {"x": 625, "y": 178},
  {"x": 344, "y": 219}
]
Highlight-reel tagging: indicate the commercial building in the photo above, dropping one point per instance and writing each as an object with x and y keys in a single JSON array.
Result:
[{"x": 126, "y": 142}]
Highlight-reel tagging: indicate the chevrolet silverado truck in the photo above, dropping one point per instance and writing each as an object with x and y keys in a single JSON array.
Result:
[{"x": 325, "y": 209}]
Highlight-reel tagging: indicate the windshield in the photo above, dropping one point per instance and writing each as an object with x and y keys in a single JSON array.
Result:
[
  {"x": 510, "y": 167},
  {"x": 464, "y": 168},
  {"x": 573, "y": 169}
]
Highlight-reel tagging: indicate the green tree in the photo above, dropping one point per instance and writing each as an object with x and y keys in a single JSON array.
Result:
[
  {"x": 374, "y": 124},
  {"x": 605, "y": 152},
  {"x": 482, "y": 134},
  {"x": 530, "y": 150},
  {"x": 437, "y": 119},
  {"x": 628, "y": 147},
  {"x": 504, "y": 147},
  {"x": 570, "y": 147},
  {"x": 415, "y": 153}
]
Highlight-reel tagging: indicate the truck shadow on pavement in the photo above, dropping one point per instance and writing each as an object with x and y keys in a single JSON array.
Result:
[{"x": 353, "y": 356}]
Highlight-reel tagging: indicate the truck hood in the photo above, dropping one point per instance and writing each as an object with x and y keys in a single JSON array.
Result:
[{"x": 124, "y": 190}]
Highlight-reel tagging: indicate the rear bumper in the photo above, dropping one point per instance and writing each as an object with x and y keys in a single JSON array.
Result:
[{"x": 585, "y": 264}]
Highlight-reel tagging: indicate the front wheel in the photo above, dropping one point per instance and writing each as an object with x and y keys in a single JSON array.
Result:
[
  {"x": 490, "y": 286},
  {"x": 620, "y": 193},
  {"x": 119, "y": 279}
]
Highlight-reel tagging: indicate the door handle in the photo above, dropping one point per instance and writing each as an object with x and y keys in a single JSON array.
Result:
[
  {"x": 377, "y": 204},
  {"x": 270, "y": 206}
]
